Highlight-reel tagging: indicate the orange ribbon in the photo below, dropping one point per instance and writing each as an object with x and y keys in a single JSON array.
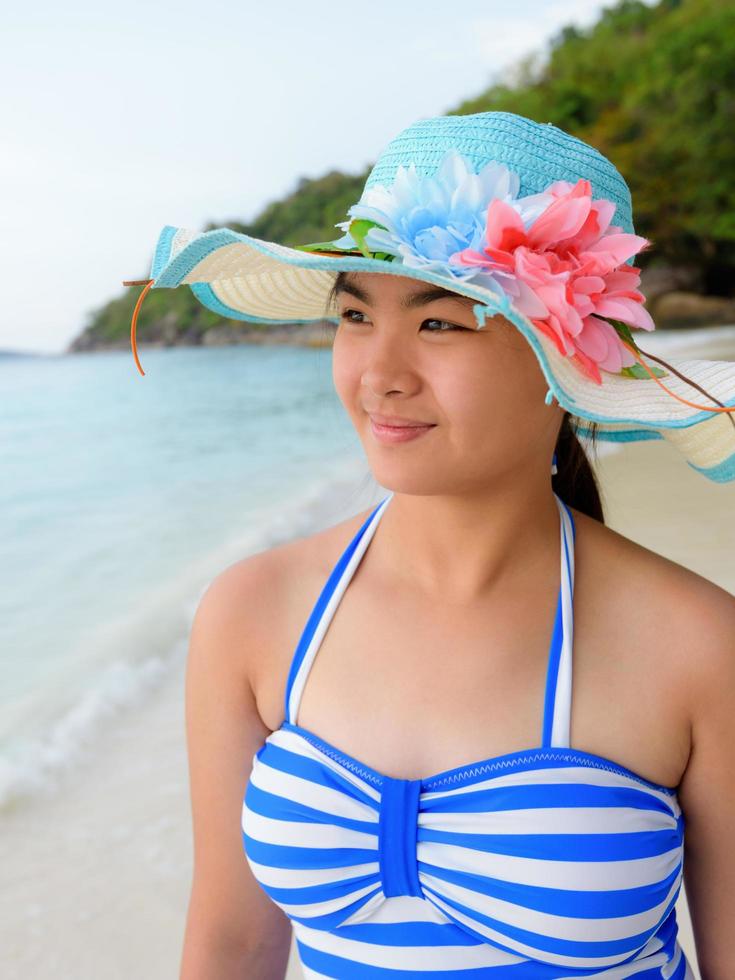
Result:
[
  {"x": 707, "y": 408},
  {"x": 137, "y": 282}
]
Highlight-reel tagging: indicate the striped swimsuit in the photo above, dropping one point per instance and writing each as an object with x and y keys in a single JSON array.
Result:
[{"x": 546, "y": 863}]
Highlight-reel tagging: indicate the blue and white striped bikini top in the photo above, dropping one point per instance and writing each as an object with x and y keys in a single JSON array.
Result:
[{"x": 548, "y": 862}]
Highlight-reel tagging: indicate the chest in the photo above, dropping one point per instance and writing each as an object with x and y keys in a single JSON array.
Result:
[{"x": 411, "y": 689}]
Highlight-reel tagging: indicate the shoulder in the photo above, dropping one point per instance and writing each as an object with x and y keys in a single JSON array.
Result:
[
  {"x": 249, "y": 602},
  {"x": 666, "y": 581},
  {"x": 686, "y": 621},
  {"x": 274, "y": 570}
]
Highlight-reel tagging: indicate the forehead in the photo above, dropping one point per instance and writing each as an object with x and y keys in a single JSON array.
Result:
[{"x": 369, "y": 287}]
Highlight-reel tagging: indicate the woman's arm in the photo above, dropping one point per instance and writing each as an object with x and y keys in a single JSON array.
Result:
[
  {"x": 707, "y": 788},
  {"x": 233, "y": 930}
]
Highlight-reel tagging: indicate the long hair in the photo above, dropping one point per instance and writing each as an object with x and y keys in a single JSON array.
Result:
[{"x": 575, "y": 480}]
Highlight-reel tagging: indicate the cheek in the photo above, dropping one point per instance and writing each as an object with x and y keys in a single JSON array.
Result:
[
  {"x": 346, "y": 373},
  {"x": 498, "y": 391}
]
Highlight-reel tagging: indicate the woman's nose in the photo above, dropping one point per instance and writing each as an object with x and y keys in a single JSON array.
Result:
[{"x": 387, "y": 365}]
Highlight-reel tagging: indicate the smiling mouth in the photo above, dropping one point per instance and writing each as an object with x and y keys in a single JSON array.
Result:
[
  {"x": 391, "y": 435},
  {"x": 393, "y": 422}
]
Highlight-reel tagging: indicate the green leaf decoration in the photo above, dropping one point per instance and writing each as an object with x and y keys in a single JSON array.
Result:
[
  {"x": 638, "y": 371},
  {"x": 326, "y": 247},
  {"x": 358, "y": 228},
  {"x": 635, "y": 370},
  {"x": 624, "y": 330}
]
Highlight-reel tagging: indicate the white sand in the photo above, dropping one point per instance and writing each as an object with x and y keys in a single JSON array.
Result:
[
  {"x": 650, "y": 496},
  {"x": 96, "y": 876}
]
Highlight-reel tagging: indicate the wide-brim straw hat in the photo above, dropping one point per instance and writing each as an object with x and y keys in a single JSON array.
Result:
[{"x": 436, "y": 189}]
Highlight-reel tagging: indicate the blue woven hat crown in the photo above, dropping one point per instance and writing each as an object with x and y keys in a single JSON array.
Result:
[{"x": 539, "y": 153}]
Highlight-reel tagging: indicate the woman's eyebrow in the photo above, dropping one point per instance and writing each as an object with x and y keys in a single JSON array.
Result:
[{"x": 419, "y": 298}]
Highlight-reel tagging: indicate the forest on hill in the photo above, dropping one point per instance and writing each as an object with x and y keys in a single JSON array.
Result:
[{"x": 652, "y": 87}]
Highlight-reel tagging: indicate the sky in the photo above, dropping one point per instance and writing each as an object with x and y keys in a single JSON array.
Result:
[{"x": 120, "y": 118}]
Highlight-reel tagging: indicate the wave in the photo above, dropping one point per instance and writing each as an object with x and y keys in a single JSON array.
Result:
[{"x": 48, "y": 734}]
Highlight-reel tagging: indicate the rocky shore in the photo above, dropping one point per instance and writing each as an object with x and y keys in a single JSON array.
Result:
[{"x": 320, "y": 333}]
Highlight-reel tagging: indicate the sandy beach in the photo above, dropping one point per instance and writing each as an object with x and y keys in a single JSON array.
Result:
[{"x": 97, "y": 872}]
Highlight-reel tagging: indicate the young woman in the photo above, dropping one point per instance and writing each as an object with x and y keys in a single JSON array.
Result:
[{"x": 471, "y": 731}]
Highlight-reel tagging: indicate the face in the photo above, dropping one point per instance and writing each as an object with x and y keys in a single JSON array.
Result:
[{"x": 397, "y": 352}]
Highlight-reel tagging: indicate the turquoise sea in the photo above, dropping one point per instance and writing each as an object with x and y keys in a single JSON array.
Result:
[{"x": 121, "y": 497}]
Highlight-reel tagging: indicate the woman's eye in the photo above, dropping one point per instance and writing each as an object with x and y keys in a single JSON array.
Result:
[
  {"x": 345, "y": 315},
  {"x": 449, "y": 326},
  {"x": 446, "y": 325}
]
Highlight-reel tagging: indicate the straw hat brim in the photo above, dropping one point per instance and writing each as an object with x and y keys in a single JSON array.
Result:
[{"x": 247, "y": 278}]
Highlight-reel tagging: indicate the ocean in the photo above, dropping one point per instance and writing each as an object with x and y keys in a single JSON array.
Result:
[{"x": 121, "y": 497}]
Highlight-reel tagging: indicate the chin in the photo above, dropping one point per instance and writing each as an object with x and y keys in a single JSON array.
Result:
[{"x": 415, "y": 481}]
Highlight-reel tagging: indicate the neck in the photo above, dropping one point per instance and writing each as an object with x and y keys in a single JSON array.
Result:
[{"x": 460, "y": 548}]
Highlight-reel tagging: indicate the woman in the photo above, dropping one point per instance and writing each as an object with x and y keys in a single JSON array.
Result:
[{"x": 438, "y": 793}]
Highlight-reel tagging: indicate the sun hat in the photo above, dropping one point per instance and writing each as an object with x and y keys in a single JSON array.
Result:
[{"x": 517, "y": 215}]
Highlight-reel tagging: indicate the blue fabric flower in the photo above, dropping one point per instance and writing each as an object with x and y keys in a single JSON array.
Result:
[{"x": 428, "y": 219}]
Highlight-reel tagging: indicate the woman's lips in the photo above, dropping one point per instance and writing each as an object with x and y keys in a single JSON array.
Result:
[{"x": 397, "y": 433}]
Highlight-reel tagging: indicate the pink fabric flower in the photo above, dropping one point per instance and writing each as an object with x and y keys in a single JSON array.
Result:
[{"x": 566, "y": 272}]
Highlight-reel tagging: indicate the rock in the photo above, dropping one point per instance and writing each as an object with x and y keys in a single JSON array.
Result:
[
  {"x": 223, "y": 335},
  {"x": 167, "y": 329},
  {"x": 317, "y": 334},
  {"x": 683, "y": 309},
  {"x": 660, "y": 278}
]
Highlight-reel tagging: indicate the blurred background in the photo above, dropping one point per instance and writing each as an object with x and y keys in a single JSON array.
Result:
[{"x": 122, "y": 496}]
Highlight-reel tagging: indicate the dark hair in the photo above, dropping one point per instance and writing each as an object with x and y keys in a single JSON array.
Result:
[{"x": 574, "y": 481}]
